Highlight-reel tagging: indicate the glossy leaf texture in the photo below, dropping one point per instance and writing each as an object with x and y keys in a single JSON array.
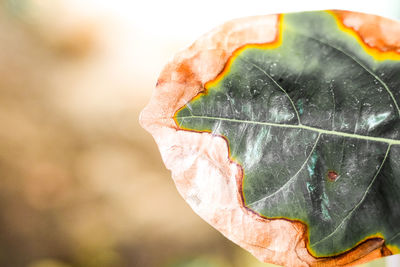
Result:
[{"x": 313, "y": 120}]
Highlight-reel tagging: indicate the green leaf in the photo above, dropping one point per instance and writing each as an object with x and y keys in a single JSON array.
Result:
[{"x": 314, "y": 123}]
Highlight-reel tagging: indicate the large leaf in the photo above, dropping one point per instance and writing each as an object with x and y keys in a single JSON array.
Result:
[{"x": 313, "y": 120}]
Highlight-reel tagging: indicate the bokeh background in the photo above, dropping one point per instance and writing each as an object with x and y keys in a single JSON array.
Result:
[{"x": 81, "y": 184}]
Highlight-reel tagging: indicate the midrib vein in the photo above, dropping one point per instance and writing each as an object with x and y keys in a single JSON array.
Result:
[{"x": 301, "y": 126}]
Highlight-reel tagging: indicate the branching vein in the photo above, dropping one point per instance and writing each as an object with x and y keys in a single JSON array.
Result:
[
  {"x": 291, "y": 178},
  {"x": 277, "y": 84},
  {"x": 363, "y": 66},
  {"x": 345, "y": 219}
]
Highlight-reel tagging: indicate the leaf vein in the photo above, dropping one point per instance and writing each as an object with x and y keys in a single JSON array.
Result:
[
  {"x": 394, "y": 236},
  {"x": 362, "y": 65},
  {"x": 291, "y": 178},
  {"x": 301, "y": 126},
  {"x": 277, "y": 84},
  {"x": 359, "y": 203}
]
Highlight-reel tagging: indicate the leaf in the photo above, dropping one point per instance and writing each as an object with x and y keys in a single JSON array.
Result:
[
  {"x": 317, "y": 103},
  {"x": 313, "y": 120}
]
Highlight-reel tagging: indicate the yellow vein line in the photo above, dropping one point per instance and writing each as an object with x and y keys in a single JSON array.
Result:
[
  {"x": 359, "y": 203},
  {"x": 304, "y": 127}
]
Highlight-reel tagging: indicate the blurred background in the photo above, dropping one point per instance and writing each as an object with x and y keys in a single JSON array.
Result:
[{"x": 81, "y": 183}]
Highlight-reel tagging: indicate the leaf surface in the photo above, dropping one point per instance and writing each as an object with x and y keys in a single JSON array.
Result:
[{"x": 313, "y": 119}]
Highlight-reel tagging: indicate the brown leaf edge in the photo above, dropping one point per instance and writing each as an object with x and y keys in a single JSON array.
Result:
[{"x": 203, "y": 171}]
